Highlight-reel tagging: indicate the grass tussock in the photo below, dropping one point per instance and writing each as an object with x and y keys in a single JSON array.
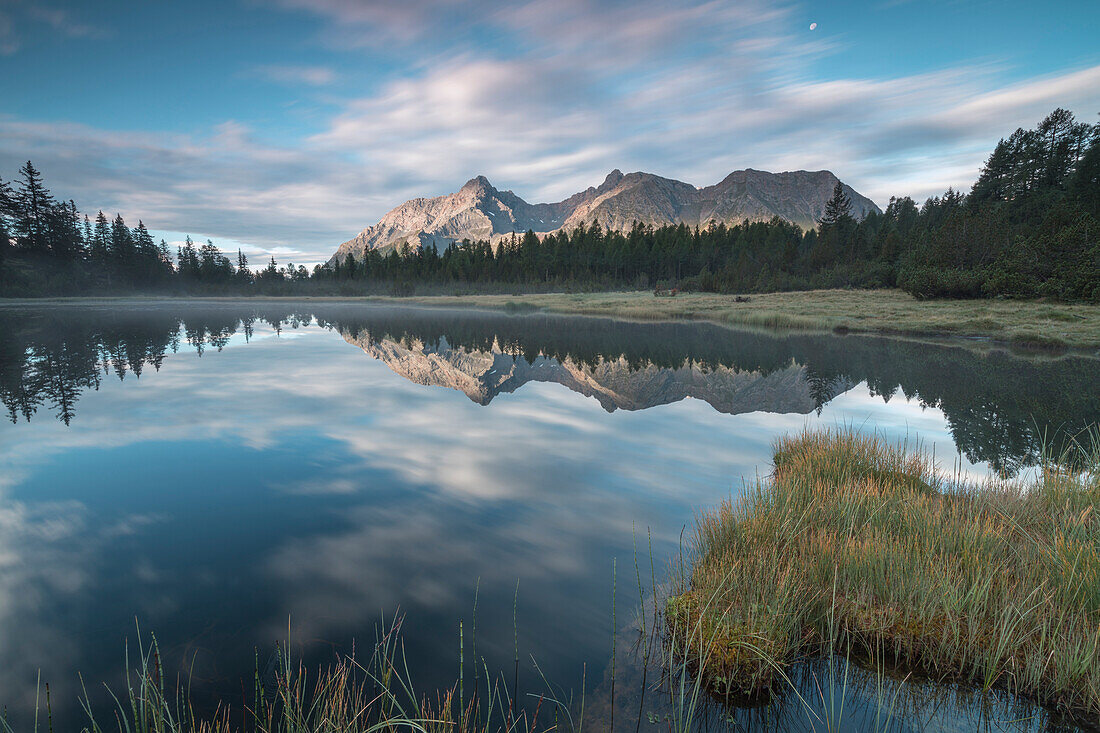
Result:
[{"x": 856, "y": 546}]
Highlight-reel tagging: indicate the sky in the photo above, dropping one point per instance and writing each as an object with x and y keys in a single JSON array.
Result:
[{"x": 284, "y": 127}]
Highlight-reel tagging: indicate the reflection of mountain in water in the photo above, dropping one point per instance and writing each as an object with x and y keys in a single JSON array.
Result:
[
  {"x": 1000, "y": 408},
  {"x": 483, "y": 374}
]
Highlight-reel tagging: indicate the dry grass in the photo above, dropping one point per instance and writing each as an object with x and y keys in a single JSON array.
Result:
[
  {"x": 856, "y": 546},
  {"x": 883, "y": 311}
]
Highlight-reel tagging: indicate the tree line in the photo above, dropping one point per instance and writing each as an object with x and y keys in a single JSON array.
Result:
[{"x": 1027, "y": 228}]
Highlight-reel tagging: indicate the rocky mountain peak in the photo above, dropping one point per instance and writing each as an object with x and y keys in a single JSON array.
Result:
[
  {"x": 612, "y": 179},
  {"x": 478, "y": 211},
  {"x": 477, "y": 184}
]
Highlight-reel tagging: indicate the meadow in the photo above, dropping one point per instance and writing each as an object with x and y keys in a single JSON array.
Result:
[{"x": 1023, "y": 323}]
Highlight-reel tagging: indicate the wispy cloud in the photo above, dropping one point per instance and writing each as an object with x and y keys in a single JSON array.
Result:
[
  {"x": 16, "y": 13},
  {"x": 545, "y": 100},
  {"x": 315, "y": 76},
  {"x": 64, "y": 22},
  {"x": 9, "y": 44}
]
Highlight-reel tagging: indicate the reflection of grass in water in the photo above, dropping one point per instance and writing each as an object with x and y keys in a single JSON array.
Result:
[
  {"x": 856, "y": 544},
  {"x": 513, "y": 306},
  {"x": 826, "y": 694}
]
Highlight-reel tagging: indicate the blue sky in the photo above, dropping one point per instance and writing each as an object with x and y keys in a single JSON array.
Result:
[{"x": 286, "y": 126}]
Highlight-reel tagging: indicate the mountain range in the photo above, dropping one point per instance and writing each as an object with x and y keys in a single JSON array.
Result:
[{"x": 479, "y": 211}]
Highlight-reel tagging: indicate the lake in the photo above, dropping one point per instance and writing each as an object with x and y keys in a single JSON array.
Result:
[{"x": 228, "y": 473}]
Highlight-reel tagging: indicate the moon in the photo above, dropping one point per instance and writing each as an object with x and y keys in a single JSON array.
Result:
[{"x": 813, "y": 26}]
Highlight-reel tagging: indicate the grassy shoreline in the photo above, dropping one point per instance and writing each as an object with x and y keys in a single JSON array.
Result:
[
  {"x": 1028, "y": 324},
  {"x": 1025, "y": 323},
  {"x": 858, "y": 547}
]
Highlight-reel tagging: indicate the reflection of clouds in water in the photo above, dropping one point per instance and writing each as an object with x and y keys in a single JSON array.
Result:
[
  {"x": 43, "y": 557},
  {"x": 544, "y": 485},
  {"x": 48, "y": 578}
]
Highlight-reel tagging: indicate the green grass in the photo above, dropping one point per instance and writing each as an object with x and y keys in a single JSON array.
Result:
[{"x": 857, "y": 546}]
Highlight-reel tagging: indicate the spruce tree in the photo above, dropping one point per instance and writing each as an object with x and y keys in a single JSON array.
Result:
[
  {"x": 244, "y": 275},
  {"x": 100, "y": 248},
  {"x": 7, "y": 211},
  {"x": 165, "y": 258},
  {"x": 63, "y": 232},
  {"x": 34, "y": 204},
  {"x": 146, "y": 254},
  {"x": 86, "y": 235},
  {"x": 838, "y": 208},
  {"x": 122, "y": 245}
]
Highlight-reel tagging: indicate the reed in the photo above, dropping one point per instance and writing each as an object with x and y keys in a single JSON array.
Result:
[{"x": 854, "y": 545}]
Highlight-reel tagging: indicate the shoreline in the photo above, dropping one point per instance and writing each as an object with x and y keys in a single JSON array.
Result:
[{"x": 1028, "y": 325}]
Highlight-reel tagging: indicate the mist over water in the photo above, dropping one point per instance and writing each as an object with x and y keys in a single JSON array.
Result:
[{"x": 222, "y": 472}]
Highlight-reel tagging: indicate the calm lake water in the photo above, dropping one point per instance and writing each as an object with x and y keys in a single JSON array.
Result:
[{"x": 222, "y": 472}]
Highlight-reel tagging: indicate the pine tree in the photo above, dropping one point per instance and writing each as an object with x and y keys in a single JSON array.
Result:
[
  {"x": 165, "y": 258},
  {"x": 995, "y": 180},
  {"x": 7, "y": 211},
  {"x": 34, "y": 204},
  {"x": 122, "y": 245},
  {"x": 1057, "y": 130},
  {"x": 100, "y": 248},
  {"x": 1085, "y": 184},
  {"x": 86, "y": 235},
  {"x": 147, "y": 256},
  {"x": 243, "y": 273},
  {"x": 187, "y": 260},
  {"x": 63, "y": 232},
  {"x": 837, "y": 209}
]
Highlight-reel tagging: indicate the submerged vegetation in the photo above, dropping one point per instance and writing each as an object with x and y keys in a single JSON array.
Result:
[{"x": 857, "y": 547}]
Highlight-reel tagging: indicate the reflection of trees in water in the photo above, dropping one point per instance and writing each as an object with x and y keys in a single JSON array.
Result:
[{"x": 1000, "y": 408}]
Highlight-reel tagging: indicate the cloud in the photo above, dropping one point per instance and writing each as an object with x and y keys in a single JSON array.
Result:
[
  {"x": 224, "y": 184},
  {"x": 18, "y": 12},
  {"x": 544, "y": 97},
  {"x": 63, "y": 22},
  {"x": 316, "y": 76},
  {"x": 9, "y": 44}
]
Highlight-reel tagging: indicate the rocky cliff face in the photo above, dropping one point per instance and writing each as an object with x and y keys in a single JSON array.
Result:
[
  {"x": 482, "y": 375},
  {"x": 478, "y": 211}
]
